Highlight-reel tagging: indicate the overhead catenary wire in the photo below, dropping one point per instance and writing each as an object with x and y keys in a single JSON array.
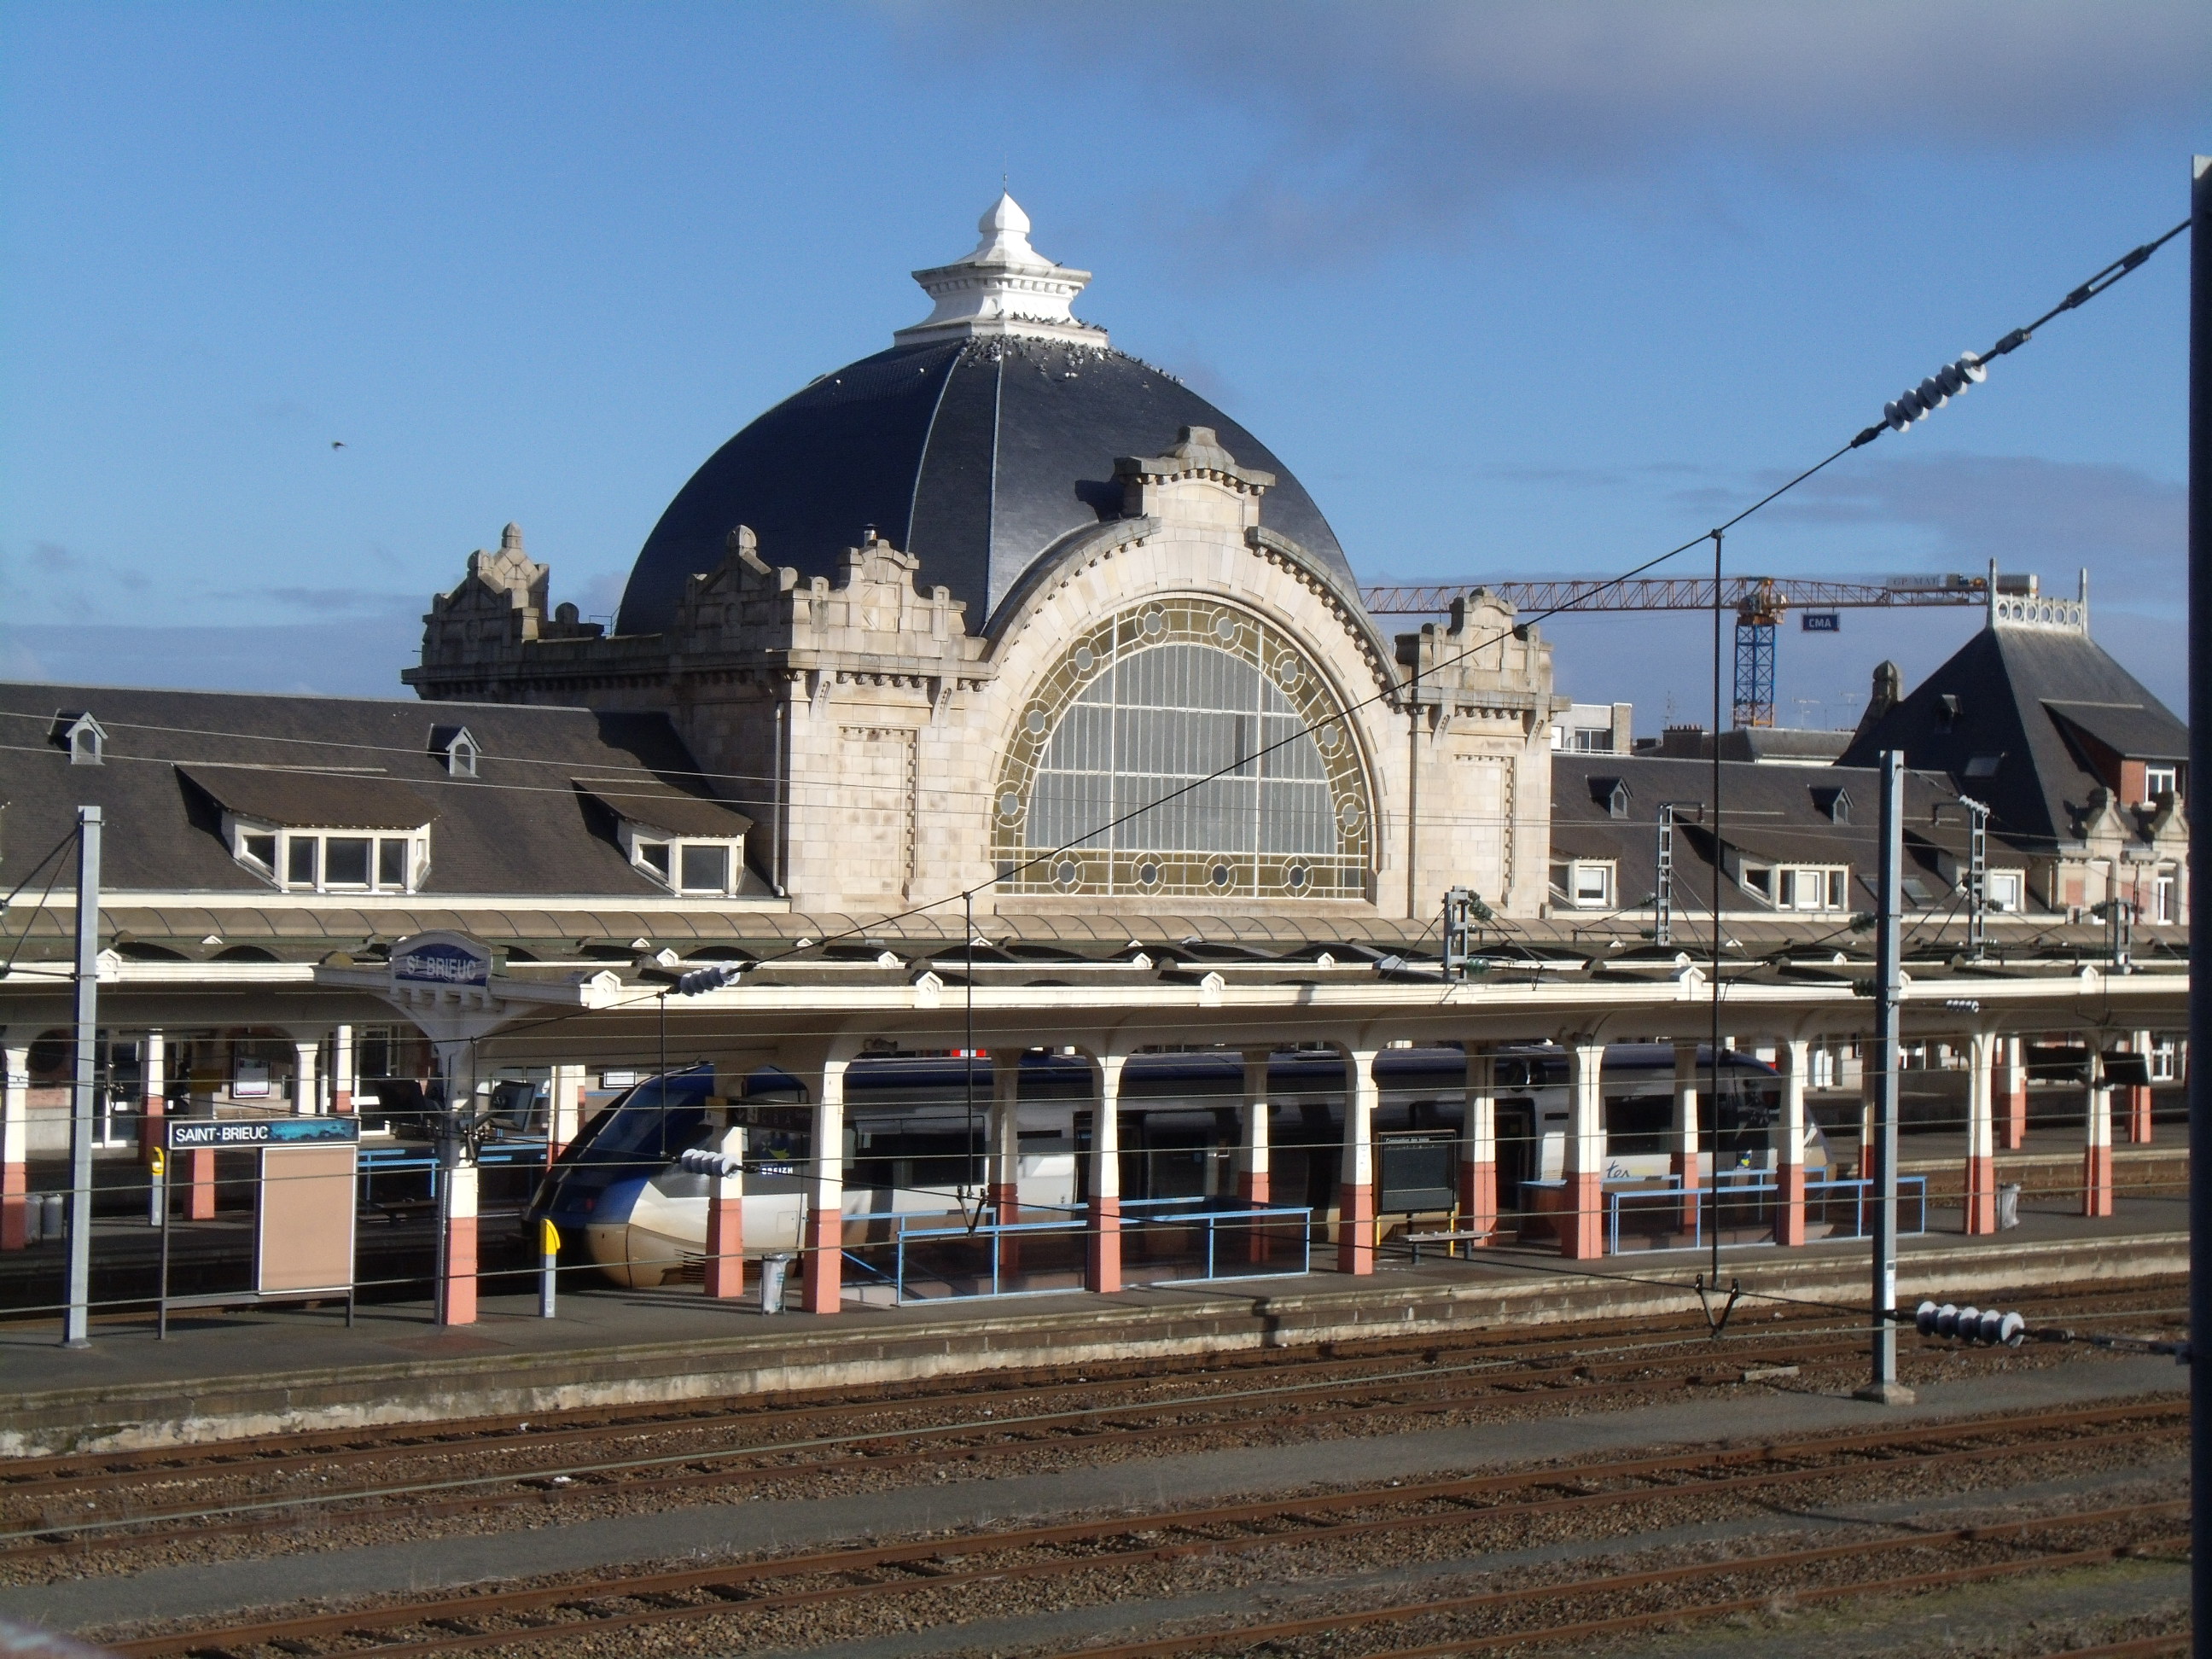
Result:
[{"x": 2096, "y": 284}]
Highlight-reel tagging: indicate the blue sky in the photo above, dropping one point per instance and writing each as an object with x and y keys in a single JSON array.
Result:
[{"x": 1516, "y": 290}]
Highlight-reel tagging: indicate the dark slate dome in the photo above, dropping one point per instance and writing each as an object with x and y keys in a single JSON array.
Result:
[{"x": 974, "y": 448}]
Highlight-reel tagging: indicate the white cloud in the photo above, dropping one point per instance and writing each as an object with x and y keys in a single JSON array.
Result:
[
  {"x": 2026, "y": 512},
  {"x": 1370, "y": 119}
]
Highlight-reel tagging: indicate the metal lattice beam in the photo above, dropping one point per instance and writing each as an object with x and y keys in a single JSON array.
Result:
[{"x": 1677, "y": 593}]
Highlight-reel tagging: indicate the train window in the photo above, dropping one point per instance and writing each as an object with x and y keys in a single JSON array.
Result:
[{"x": 1637, "y": 1123}]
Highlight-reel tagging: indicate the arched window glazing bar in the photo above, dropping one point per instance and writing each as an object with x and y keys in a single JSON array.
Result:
[{"x": 1152, "y": 701}]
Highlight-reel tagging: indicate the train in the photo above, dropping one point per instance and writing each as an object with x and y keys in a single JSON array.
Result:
[{"x": 915, "y": 1137}]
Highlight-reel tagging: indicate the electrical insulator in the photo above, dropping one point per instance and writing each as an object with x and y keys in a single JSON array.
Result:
[
  {"x": 1932, "y": 393},
  {"x": 701, "y": 1161},
  {"x": 700, "y": 981},
  {"x": 1985, "y": 1326}
]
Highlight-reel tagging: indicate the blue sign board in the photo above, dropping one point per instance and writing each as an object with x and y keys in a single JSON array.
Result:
[
  {"x": 1820, "y": 621},
  {"x": 441, "y": 958},
  {"x": 190, "y": 1133}
]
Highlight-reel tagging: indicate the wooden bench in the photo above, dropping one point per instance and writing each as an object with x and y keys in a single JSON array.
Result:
[{"x": 1457, "y": 1236}]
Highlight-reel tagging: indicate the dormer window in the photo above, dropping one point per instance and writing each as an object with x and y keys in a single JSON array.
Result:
[
  {"x": 1835, "y": 805},
  {"x": 316, "y": 832},
  {"x": 1799, "y": 886},
  {"x": 87, "y": 740},
  {"x": 1947, "y": 711},
  {"x": 305, "y": 861},
  {"x": 1585, "y": 883},
  {"x": 688, "y": 844},
  {"x": 454, "y": 746},
  {"x": 1612, "y": 795},
  {"x": 689, "y": 866}
]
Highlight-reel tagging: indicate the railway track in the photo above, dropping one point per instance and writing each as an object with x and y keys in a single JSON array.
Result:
[
  {"x": 86, "y": 1471},
  {"x": 327, "y": 1449},
  {"x": 1067, "y": 1554},
  {"x": 1345, "y": 1390},
  {"x": 998, "y": 1435}
]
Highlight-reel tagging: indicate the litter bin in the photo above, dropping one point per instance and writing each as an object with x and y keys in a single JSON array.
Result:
[
  {"x": 53, "y": 1217},
  {"x": 2008, "y": 1205},
  {"x": 774, "y": 1269}
]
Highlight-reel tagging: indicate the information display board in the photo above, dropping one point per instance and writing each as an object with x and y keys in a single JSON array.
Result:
[{"x": 305, "y": 1192}]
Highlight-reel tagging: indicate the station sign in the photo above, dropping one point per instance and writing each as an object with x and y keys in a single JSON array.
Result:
[
  {"x": 441, "y": 958},
  {"x": 193, "y": 1134}
]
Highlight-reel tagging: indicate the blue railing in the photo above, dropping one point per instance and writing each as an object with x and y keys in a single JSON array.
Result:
[
  {"x": 930, "y": 1258},
  {"x": 373, "y": 1161},
  {"x": 1843, "y": 1208}
]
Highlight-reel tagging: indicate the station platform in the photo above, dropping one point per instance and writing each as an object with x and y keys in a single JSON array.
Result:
[{"x": 239, "y": 1373}]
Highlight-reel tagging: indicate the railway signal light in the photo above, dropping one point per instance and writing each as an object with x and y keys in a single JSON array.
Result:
[
  {"x": 1932, "y": 393},
  {"x": 1985, "y": 1326}
]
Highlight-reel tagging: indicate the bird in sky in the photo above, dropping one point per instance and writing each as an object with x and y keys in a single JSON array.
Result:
[{"x": 337, "y": 443}]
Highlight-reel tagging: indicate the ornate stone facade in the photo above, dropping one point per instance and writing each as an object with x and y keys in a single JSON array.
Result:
[
  {"x": 880, "y": 744},
  {"x": 1172, "y": 704}
]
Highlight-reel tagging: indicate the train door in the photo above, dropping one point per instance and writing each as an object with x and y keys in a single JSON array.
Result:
[
  {"x": 1178, "y": 1157},
  {"x": 1519, "y": 1151}
]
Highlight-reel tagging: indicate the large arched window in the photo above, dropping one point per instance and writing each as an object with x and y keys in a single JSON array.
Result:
[{"x": 1112, "y": 770}]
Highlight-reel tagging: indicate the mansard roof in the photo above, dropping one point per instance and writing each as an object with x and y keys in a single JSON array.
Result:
[
  {"x": 1997, "y": 717},
  {"x": 1771, "y": 814},
  {"x": 175, "y": 759}
]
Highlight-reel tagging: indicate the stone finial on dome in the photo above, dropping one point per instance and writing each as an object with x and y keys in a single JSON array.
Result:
[{"x": 1005, "y": 287}]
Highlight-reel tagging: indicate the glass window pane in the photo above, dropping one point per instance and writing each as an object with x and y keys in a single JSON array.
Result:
[
  {"x": 706, "y": 869},
  {"x": 653, "y": 854},
  {"x": 345, "y": 862},
  {"x": 262, "y": 849},
  {"x": 392, "y": 865},
  {"x": 300, "y": 859}
]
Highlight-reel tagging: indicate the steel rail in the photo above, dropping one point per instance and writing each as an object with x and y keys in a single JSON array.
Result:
[
  {"x": 2141, "y": 1647},
  {"x": 1616, "y": 1583},
  {"x": 1505, "y": 1382},
  {"x": 79, "y": 1470},
  {"x": 733, "y": 1577}
]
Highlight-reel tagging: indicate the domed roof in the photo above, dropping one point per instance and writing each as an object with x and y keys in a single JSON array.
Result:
[{"x": 983, "y": 437}]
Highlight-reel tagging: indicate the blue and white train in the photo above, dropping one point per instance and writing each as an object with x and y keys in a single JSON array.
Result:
[{"x": 915, "y": 1137}]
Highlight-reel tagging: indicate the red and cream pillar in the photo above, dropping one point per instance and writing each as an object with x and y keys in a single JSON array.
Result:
[
  {"x": 457, "y": 1237},
  {"x": 1255, "y": 1185},
  {"x": 825, "y": 1207},
  {"x": 1002, "y": 1175},
  {"x": 2011, "y": 1088},
  {"x": 2139, "y": 1093},
  {"x": 1255, "y": 1181},
  {"x": 564, "y": 1108},
  {"x": 1102, "y": 1260},
  {"x": 1003, "y": 1153},
  {"x": 1355, "y": 1193},
  {"x": 1981, "y": 1188},
  {"x": 153, "y": 1097},
  {"x": 342, "y": 1071},
  {"x": 2097, "y": 1152},
  {"x": 1478, "y": 1145},
  {"x": 1684, "y": 1159},
  {"x": 15, "y": 1146},
  {"x": 726, "y": 1219},
  {"x": 1794, "y": 1056},
  {"x": 304, "y": 1100},
  {"x": 1582, "y": 1223}
]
